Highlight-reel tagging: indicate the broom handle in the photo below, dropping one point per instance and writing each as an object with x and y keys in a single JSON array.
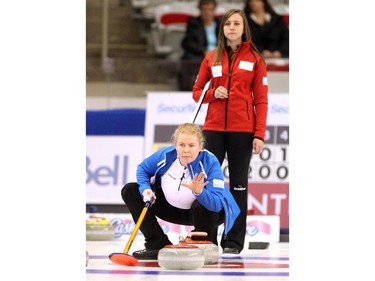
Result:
[
  {"x": 195, "y": 114},
  {"x": 136, "y": 227}
]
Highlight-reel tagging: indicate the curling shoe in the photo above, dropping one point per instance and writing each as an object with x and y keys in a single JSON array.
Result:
[
  {"x": 146, "y": 254},
  {"x": 232, "y": 251}
]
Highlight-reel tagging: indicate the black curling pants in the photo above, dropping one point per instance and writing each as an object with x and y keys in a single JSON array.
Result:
[
  {"x": 198, "y": 216},
  {"x": 239, "y": 148}
]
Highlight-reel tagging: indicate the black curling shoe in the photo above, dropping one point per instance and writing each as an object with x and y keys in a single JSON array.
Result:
[
  {"x": 146, "y": 254},
  {"x": 233, "y": 251}
]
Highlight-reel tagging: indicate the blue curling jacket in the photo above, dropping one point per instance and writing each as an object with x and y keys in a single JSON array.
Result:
[{"x": 215, "y": 195}]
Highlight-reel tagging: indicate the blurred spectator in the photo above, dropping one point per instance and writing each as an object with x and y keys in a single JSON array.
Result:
[
  {"x": 269, "y": 32},
  {"x": 201, "y": 37},
  {"x": 201, "y": 32}
]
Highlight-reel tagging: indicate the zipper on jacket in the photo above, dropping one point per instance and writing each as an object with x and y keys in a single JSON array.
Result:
[
  {"x": 179, "y": 185},
  {"x": 226, "y": 102},
  {"x": 230, "y": 63}
]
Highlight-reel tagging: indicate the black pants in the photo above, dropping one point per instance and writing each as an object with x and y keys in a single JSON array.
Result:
[
  {"x": 198, "y": 216},
  {"x": 239, "y": 147}
]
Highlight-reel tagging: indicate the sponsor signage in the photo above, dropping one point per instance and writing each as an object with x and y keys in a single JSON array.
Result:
[{"x": 111, "y": 161}]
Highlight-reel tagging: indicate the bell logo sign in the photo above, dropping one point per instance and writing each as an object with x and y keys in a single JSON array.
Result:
[{"x": 103, "y": 175}]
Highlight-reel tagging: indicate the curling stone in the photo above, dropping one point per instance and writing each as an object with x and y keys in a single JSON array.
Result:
[
  {"x": 99, "y": 229},
  {"x": 181, "y": 256},
  {"x": 210, "y": 250}
]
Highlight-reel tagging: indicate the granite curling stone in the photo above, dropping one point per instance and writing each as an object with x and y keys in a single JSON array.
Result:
[
  {"x": 210, "y": 250},
  {"x": 181, "y": 256}
]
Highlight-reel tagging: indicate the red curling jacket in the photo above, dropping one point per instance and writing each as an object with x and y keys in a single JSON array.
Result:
[{"x": 245, "y": 78}]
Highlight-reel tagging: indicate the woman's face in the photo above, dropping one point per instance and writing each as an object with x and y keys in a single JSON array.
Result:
[
  {"x": 208, "y": 13},
  {"x": 256, "y": 5},
  {"x": 233, "y": 28},
  {"x": 188, "y": 148}
]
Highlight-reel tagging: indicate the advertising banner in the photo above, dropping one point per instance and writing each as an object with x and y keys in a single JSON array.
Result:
[
  {"x": 111, "y": 161},
  {"x": 258, "y": 228}
]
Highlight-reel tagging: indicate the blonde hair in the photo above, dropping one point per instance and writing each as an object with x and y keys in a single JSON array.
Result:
[{"x": 189, "y": 129}]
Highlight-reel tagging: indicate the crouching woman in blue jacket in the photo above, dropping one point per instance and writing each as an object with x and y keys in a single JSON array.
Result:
[{"x": 187, "y": 186}]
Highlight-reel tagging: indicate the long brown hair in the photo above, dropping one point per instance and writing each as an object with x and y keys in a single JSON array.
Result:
[
  {"x": 267, "y": 7},
  {"x": 222, "y": 40}
]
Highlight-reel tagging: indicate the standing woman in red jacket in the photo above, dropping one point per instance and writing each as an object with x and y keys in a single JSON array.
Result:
[{"x": 237, "y": 110}]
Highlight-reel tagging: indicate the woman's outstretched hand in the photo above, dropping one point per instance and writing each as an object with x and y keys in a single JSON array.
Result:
[{"x": 197, "y": 184}]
